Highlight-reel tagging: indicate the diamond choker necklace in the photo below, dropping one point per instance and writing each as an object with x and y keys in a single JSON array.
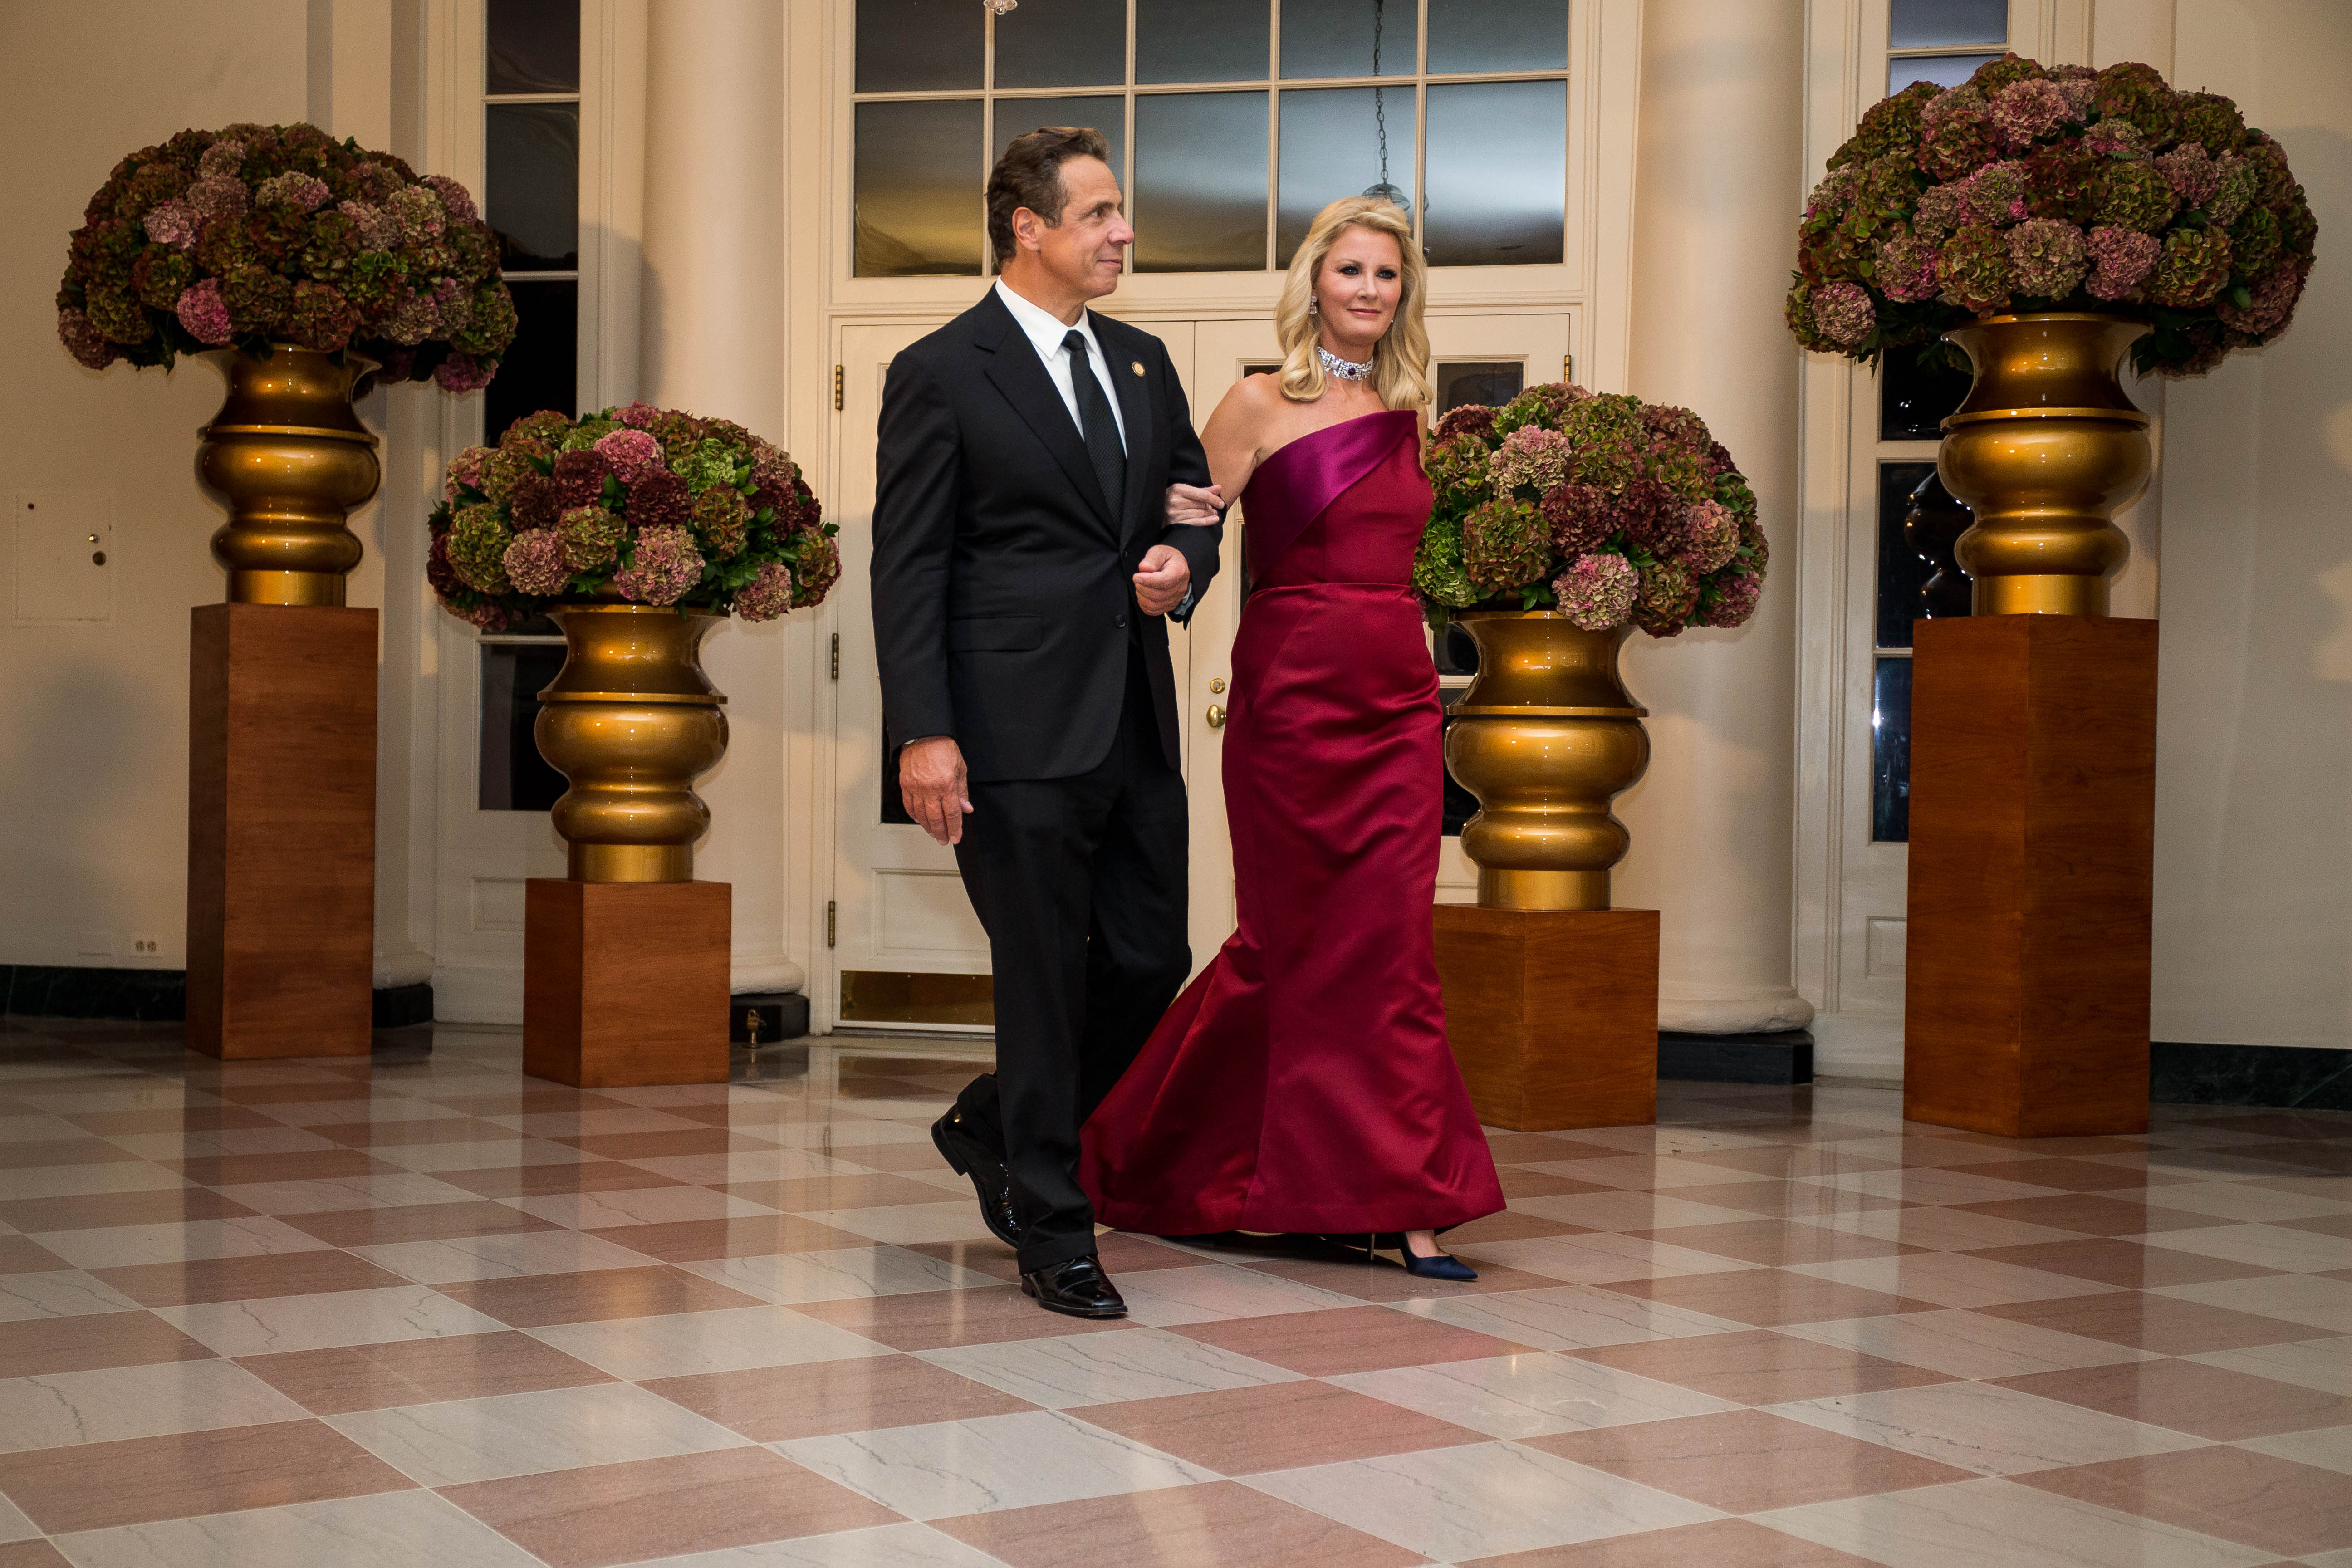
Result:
[{"x": 1345, "y": 369}]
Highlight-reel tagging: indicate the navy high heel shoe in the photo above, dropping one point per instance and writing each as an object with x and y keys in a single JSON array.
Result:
[{"x": 1444, "y": 1266}]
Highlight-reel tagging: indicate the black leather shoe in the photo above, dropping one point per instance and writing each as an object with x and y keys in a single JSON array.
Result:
[
  {"x": 991, "y": 1182},
  {"x": 1442, "y": 1266},
  {"x": 1078, "y": 1289}
]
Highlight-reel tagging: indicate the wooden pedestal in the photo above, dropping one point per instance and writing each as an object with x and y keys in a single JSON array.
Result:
[
  {"x": 1553, "y": 1014},
  {"x": 2032, "y": 824},
  {"x": 625, "y": 983},
  {"x": 281, "y": 830}
]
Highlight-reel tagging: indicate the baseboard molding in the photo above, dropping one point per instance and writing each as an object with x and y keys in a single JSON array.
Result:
[
  {"x": 153, "y": 996},
  {"x": 1785, "y": 1055},
  {"x": 2303, "y": 1077}
]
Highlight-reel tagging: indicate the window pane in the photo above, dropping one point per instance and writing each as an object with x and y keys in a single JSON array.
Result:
[
  {"x": 919, "y": 46},
  {"x": 512, "y": 775},
  {"x": 1944, "y": 71},
  {"x": 1062, "y": 43},
  {"x": 1890, "y": 752},
  {"x": 1339, "y": 37},
  {"x": 918, "y": 183},
  {"x": 1461, "y": 805},
  {"x": 541, "y": 366},
  {"x": 1914, "y": 395},
  {"x": 1496, "y": 181},
  {"x": 1331, "y": 148},
  {"x": 1201, "y": 40},
  {"x": 1200, "y": 182},
  {"x": 532, "y": 194},
  {"x": 533, "y": 47},
  {"x": 1020, "y": 116},
  {"x": 1490, "y": 382},
  {"x": 1901, "y": 572},
  {"x": 1939, "y": 24},
  {"x": 1497, "y": 35}
]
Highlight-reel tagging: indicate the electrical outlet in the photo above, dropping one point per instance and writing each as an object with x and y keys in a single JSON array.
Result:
[
  {"x": 146, "y": 946},
  {"x": 94, "y": 945}
]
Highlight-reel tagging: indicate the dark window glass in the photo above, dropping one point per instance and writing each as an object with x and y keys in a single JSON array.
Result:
[
  {"x": 542, "y": 367},
  {"x": 1062, "y": 43},
  {"x": 1915, "y": 397},
  {"x": 1200, "y": 182},
  {"x": 1942, "y": 24},
  {"x": 918, "y": 182},
  {"x": 1020, "y": 116},
  {"x": 1496, "y": 35},
  {"x": 1944, "y": 71},
  {"x": 1338, "y": 37},
  {"x": 1455, "y": 650},
  {"x": 1331, "y": 148},
  {"x": 1890, "y": 752},
  {"x": 514, "y": 776},
  {"x": 533, "y": 47},
  {"x": 1901, "y": 572},
  {"x": 533, "y": 194},
  {"x": 1497, "y": 177},
  {"x": 1201, "y": 40},
  {"x": 919, "y": 46},
  {"x": 1491, "y": 382},
  {"x": 1461, "y": 805}
]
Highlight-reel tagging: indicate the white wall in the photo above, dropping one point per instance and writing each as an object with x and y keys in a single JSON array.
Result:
[{"x": 2254, "y": 827}]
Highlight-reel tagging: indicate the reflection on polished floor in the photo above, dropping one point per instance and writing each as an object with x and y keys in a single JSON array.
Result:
[{"x": 423, "y": 1310}]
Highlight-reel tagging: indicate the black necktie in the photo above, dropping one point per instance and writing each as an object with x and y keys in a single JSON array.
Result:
[{"x": 1095, "y": 420}]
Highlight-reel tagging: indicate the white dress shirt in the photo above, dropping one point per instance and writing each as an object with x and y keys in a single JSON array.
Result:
[{"x": 1045, "y": 333}]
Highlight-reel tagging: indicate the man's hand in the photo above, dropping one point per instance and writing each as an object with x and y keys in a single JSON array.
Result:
[
  {"x": 1160, "y": 586},
  {"x": 1193, "y": 506},
  {"x": 932, "y": 782}
]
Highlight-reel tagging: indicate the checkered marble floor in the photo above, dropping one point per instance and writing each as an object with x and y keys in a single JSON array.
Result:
[{"x": 423, "y": 1310}]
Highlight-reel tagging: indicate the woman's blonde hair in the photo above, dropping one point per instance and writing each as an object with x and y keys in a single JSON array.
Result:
[{"x": 1400, "y": 359}]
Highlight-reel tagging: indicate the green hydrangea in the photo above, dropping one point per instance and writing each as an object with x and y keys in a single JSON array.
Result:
[
  {"x": 592, "y": 537},
  {"x": 723, "y": 520},
  {"x": 709, "y": 462},
  {"x": 1974, "y": 269},
  {"x": 2212, "y": 121},
  {"x": 1609, "y": 437},
  {"x": 2134, "y": 195},
  {"x": 2195, "y": 264},
  {"x": 1890, "y": 125},
  {"x": 2256, "y": 242},
  {"x": 1504, "y": 544},
  {"x": 478, "y": 548},
  {"x": 1437, "y": 573}
]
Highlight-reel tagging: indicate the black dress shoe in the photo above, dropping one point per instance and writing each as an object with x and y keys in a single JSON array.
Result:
[
  {"x": 1078, "y": 1289},
  {"x": 1442, "y": 1266},
  {"x": 991, "y": 1182}
]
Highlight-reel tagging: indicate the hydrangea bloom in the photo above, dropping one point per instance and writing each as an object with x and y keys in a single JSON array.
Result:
[
  {"x": 1668, "y": 593},
  {"x": 454, "y": 198},
  {"x": 173, "y": 224},
  {"x": 636, "y": 416},
  {"x": 534, "y": 562},
  {"x": 666, "y": 565},
  {"x": 1843, "y": 313},
  {"x": 1530, "y": 455},
  {"x": 633, "y": 454},
  {"x": 2025, "y": 111},
  {"x": 293, "y": 188},
  {"x": 766, "y": 595},
  {"x": 1906, "y": 268},
  {"x": 580, "y": 476},
  {"x": 2193, "y": 176},
  {"x": 709, "y": 463},
  {"x": 723, "y": 520},
  {"x": 1581, "y": 516},
  {"x": 1437, "y": 575},
  {"x": 1974, "y": 269},
  {"x": 478, "y": 548},
  {"x": 1503, "y": 544},
  {"x": 462, "y": 372},
  {"x": 1596, "y": 593},
  {"x": 2190, "y": 272},
  {"x": 818, "y": 568},
  {"x": 1942, "y": 209},
  {"x": 1730, "y": 600},
  {"x": 2274, "y": 302},
  {"x": 468, "y": 470},
  {"x": 592, "y": 537},
  {"x": 320, "y": 317},
  {"x": 204, "y": 313},
  {"x": 2048, "y": 257},
  {"x": 222, "y": 160},
  {"x": 1711, "y": 537},
  {"x": 659, "y": 499},
  {"x": 87, "y": 345},
  {"x": 2121, "y": 260},
  {"x": 2135, "y": 196}
]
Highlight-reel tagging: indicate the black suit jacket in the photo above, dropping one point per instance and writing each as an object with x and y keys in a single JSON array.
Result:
[{"x": 1003, "y": 596}]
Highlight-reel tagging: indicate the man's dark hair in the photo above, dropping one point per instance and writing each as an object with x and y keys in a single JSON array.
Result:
[{"x": 1030, "y": 176}]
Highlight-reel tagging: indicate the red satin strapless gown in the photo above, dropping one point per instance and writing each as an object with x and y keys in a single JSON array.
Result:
[{"x": 1303, "y": 1082}]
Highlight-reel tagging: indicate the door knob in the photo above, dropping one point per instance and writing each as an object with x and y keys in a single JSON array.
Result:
[{"x": 1216, "y": 717}]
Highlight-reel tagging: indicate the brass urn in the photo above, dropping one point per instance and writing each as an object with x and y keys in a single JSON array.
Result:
[
  {"x": 2044, "y": 449},
  {"x": 630, "y": 722},
  {"x": 1545, "y": 736},
  {"x": 291, "y": 459}
]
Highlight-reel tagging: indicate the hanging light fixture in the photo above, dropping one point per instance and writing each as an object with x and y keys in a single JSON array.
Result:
[
  {"x": 1383, "y": 189},
  {"x": 998, "y": 7}
]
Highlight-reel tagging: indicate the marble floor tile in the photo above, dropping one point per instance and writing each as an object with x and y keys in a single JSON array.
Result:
[
  {"x": 1216, "y": 1523},
  {"x": 989, "y": 1463},
  {"x": 53, "y": 1409},
  {"x": 879, "y": 1546},
  {"x": 87, "y": 1180},
  {"x": 1342, "y": 1339},
  {"x": 34, "y": 1346},
  {"x": 1568, "y": 1317},
  {"x": 430, "y": 1159},
  {"x": 751, "y": 1236},
  {"x": 315, "y": 1323},
  {"x": 533, "y": 1181},
  {"x": 2189, "y": 1396},
  {"x": 2328, "y": 1448},
  {"x": 171, "y": 1147},
  {"x": 1951, "y": 1279},
  {"x": 650, "y": 1291},
  {"x": 1771, "y": 1243},
  {"x": 637, "y": 1206},
  {"x": 1162, "y": 1297},
  {"x": 688, "y": 1344},
  {"x": 809, "y": 1195},
  {"x": 934, "y": 1320},
  {"x": 308, "y": 1272},
  {"x": 1598, "y": 1258},
  {"x": 1628, "y": 1211},
  {"x": 14, "y": 1525},
  {"x": 390, "y": 1530},
  {"x": 1759, "y": 1367},
  {"x": 419, "y": 1371},
  {"x": 1746, "y": 1461},
  {"x": 121, "y": 1246},
  {"x": 1769, "y": 1297},
  {"x": 2321, "y": 1302},
  {"x": 23, "y": 1255},
  {"x": 1353, "y": 1276},
  {"x": 837, "y": 1274},
  {"x": 413, "y": 1222},
  {"x": 523, "y": 1434},
  {"x": 2251, "y": 1205},
  {"x": 1529, "y": 1395},
  {"x": 505, "y": 1257},
  {"x": 344, "y": 1193},
  {"x": 1479, "y": 1501},
  {"x": 2126, "y": 1265},
  {"x": 1940, "y": 1229},
  {"x": 2159, "y": 1322},
  {"x": 769, "y": 1165},
  {"x": 1725, "y": 1540},
  {"x": 136, "y": 1480},
  {"x": 166, "y": 1205},
  {"x": 2094, "y": 1214},
  {"x": 1974, "y": 1524},
  {"x": 2264, "y": 1245},
  {"x": 1967, "y": 1344},
  {"x": 815, "y": 1399},
  {"x": 1986, "y": 1428},
  {"x": 58, "y": 1293},
  {"x": 949, "y": 1219},
  {"x": 1275, "y": 1426},
  {"x": 2312, "y": 1363},
  {"x": 2271, "y": 1504},
  {"x": 1100, "y": 1369}
]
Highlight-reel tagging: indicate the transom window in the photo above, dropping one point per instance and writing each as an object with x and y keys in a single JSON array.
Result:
[
  {"x": 530, "y": 197},
  {"x": 1231, "y": 122},
  {"x": 1943, "y": 41}
]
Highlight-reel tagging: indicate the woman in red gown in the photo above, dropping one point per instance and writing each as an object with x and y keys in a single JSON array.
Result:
[{"x": 1303, "y": 1083}]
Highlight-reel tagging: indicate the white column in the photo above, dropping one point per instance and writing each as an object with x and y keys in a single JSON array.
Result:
[
  {"x": 713, "y": 343},
  {"x": 1719, "y": 182}
]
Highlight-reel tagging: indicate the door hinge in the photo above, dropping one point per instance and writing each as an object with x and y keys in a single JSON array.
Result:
[
  {"x": 836, "y": 389},
  {"x": 1567, "y": 369},
  {"x": 836, "y": 656},
  {"x": 831, "y": 909}
]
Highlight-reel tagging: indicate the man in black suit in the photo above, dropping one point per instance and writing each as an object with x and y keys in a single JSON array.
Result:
[{"x": 1035, "y": 474}]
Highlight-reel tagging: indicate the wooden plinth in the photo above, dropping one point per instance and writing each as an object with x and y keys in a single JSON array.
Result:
[
  {"x": 281, "y": 830},
  {"x": 1553, "y": 1014},
  {"x": 2032, "y": 823},
  {"x": 625, "y": 983}
]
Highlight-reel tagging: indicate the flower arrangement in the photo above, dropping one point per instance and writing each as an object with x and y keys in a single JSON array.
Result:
[
  {"x": 1607, "y": 508},
  {"x": 638, "y": 504},
  {"x": 2062, "y": 188},
  {"x": 255, "y": 234}
]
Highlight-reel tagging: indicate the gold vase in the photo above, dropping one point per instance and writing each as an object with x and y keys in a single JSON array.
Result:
[
  {"x": 631, "y": 721},
  {"x": 290, "y": 458},
  {"x": 1544, "y": 737},
  {"x": 2043, "y": 449}
]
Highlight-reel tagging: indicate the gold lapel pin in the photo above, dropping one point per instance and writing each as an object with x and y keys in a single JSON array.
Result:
[{"x": 1135, "y": 366}]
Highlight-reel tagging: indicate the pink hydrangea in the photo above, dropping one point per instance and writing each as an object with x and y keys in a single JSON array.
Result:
[
  {"x": 1996, "y": 192},
  {"x": 453, "y": 307},
  {"x": 1711, "y": 535},
  {"x": 1596, "y": 593},
  {"x": 488, "y": 618},
  {"x": 2080, "y": 93},
  {"x": 224, "y": 197},
  {"x": 2049, "y": 257},
  {"x": 2025, "y": 111},
  {"x": 535, "y": 562},
  {"x": 462, "y": 372},
  {"x": 2273, "y": 301},
  {"x": 1731, "y": 600},
  {"x": 2193, "y": 176},
  {"x": 295, "y": 189},
  {"x": 2121, "y": 260},
  {"x": 377, "y": 230},
  {"x": 456, "y": 197},
  {"x": 2113, "y": 139},
  {"x": 1530, "y": 455},
  {"x": 1906, "y": 268},
  {"x": 172, "y": 223},
  {"x": 222, "y": 159},
  {"x": 470, "y": 468},
  {"x": 632, "y": 454},
  {"x": 766, "y": 595},
  {"x": 204, "y": 313},
  {"x": 84, "y": 342},
  {"x": 413, "y": 320},
  {"x": 636, "y": 416},
  {"x": 666, "y": 565},
  {"x": 1843, "y": 313}
]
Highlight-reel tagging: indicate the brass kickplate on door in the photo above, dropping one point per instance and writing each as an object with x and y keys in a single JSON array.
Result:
[{"x": 876, "y": 996}]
